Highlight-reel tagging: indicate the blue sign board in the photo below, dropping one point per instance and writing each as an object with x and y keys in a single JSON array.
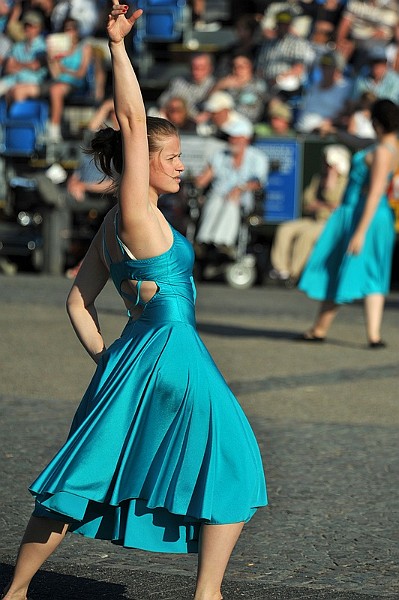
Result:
[{"x": 282, "y": 190}]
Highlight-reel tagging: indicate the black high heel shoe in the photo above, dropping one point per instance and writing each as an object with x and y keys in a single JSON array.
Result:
[
  {"x": 309, "y": 336},
  {"x": 376, "y": 345}
]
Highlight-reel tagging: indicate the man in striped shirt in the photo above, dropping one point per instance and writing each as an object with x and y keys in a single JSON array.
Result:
[
  {"x": 193, "y": 88},
  {"x": 283, "y": 61}
]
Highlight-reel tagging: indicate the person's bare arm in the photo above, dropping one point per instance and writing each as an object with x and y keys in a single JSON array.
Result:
[
  {"x": 204, "y": 178},
  {"x": 90, "y": 280},
  {"x": 78, "y": 188},
  {"x": 139, "y": 226},
  {"x": 102, "y": 113},
  {"x": 14, "y": 66}
]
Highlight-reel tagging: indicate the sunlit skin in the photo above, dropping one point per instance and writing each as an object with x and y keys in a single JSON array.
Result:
[
  {"x": 220, "y": 117},
  {"x": 176, "y": 112},
  {"x": 166, "y": 169},
  {"x": 201, "y": 68},
  {"x": 238, "y": 144},
  {"x": 378, "y": 70},
  {"x": 279, "y": 125}
]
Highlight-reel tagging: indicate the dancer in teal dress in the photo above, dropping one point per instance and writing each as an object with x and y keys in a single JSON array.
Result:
[
  {"x": 160, "y": 455},
  {"x": 352, "y": 258}
]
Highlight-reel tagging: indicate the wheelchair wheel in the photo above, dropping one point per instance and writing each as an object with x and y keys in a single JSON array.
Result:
[{"x": 241, "y": 275}]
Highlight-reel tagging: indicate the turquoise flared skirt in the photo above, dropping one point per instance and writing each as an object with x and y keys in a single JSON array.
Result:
[{"x": 158, "y": 446}]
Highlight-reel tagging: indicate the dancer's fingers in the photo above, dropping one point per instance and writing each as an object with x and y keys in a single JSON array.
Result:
[
  {"x": 136, "y": 15},
  {"x": 119, "y": 9}
]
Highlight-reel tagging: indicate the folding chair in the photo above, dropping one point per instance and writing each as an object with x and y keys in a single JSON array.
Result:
[
  {"x": 163, "y": 21},
  {"x": 24, "y": 127}
]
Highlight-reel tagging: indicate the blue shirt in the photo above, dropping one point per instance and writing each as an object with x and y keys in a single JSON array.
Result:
[{"x": 25, "y": 52}]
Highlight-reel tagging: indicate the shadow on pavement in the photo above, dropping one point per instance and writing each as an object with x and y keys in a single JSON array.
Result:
[
  {"x": 52, "y": 585},
  {"x": 273, "y": 334},
  {"x": 139, "y": 585}
]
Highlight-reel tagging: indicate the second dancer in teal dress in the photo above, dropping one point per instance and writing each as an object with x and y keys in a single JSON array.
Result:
[{"x": 352, "y": 258}]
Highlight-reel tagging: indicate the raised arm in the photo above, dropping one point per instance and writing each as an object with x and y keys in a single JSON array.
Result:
[{"x": 136, "y": 214}]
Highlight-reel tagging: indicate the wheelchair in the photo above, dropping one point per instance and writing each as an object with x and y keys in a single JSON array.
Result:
[{"x": 241, "y": 266}]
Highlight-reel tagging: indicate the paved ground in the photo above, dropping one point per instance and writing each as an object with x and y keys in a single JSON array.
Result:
[{"x": 326, "y": 418}]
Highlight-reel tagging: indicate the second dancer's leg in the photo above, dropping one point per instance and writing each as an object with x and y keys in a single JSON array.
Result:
[
  {"x": 373, "y": 309},
  {"x": 326, "y": 315}
]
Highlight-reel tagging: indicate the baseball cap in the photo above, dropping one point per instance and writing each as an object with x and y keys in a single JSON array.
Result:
[
  {"x": 280, "y": 110},
  {"x": 33, "y": 18},
  {"x": 338, "y": 156},
  {"x": 284, "y": 16},
  {"x": 238, "y": 127},
  {"x": 333, "y": 59},
  {"x": 219, "y": 101}
]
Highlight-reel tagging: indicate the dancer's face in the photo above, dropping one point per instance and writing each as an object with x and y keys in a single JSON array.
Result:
[{"x": 166, "y": 167}]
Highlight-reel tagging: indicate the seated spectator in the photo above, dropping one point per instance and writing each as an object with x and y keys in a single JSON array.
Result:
[
  {"x": 328, "y": 13},
  {"x": 25, "y": 68},
  {"x": 295, "y": 239},
  {"x": 279, "y": 123},
  {"x": 175, "y": 110},
  {"x": 323, "y": 102},
  {"x": 219, "y": 113},
  {"x": 247, "y": 90},
  {"x": 5, "y": 48},
  {"x": 194, "y": 88},
  {"x": 15, "y": 27},
  {"x": 234, "y": 174},
  {"x": 364, "y": 24},
  {"x": 379, "y": 79},
  {"x": 67, "y": 73},
  {"x": 359, "y": 122},
  {"x": 270, "y": 18},
  {"x": 86, "y": 188},
  {"x": 247, "y": 39},
  {"x": 321, "y": 38},
  {"x": 283, "y": 61},
  {"x": 322, "y": 35},
  {"x": 85, "y": 12}
]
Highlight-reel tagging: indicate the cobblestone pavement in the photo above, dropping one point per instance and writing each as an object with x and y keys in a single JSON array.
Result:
[{"x": 326, "y": 418}]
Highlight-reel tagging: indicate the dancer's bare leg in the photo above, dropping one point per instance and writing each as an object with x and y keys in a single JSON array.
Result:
[
  {"x": 326, "y": 315},
  {"x": 216, "y": 545},
  {"x": 373, "y": 310},
  {"x": 41, "y": 538}
]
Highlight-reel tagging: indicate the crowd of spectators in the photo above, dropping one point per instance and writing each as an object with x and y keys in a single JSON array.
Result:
[
  {"x": 318, "y": 59},
  {"x": 293, "y": 68},
  {"x": 48, "y": 49},
  {"x": 307, "y": 67}
]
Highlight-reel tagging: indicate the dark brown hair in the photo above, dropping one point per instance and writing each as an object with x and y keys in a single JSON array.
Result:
[
  {"x": 106, "y": 145},
  {"x": 386, "y": 113}
]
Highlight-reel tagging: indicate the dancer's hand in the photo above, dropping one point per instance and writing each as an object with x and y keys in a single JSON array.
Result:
[
  {"x": 119, "y": 25},
  {"x": 356, "y": 243}
]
